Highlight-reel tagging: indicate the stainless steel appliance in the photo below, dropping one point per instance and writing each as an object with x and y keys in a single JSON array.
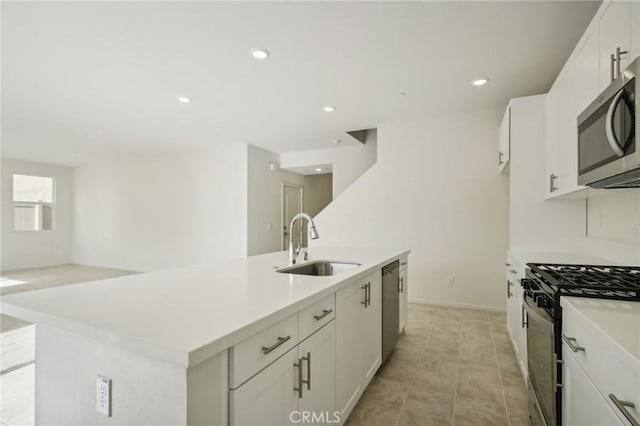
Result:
[
  {"x": 390, "y": 308},
  {"x": 544, "y": 286},
  {"x": 608, "y": 133}
]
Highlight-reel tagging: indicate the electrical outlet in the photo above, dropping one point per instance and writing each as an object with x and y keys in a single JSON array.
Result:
[
  {"x": 103, "y": 395},
  {"x": 452, "y": 280}
]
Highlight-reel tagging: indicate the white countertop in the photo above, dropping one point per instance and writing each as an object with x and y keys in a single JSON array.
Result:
[
  {"x": 185, "y": 315},
  {"x": 532, "y": 256},
  {"x": 619, "y": 320}
]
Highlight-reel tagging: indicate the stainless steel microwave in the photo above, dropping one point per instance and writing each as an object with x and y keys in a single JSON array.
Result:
[{"x": 608, "y": 156}]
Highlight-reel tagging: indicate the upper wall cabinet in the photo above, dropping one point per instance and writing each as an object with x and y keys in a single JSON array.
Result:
[
  {"x": 504, "y": 142},
  {"x": 615, "y": 26}
]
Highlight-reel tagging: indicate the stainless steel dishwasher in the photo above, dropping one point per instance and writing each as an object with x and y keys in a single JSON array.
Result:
[{"x": 390, "y": 308}]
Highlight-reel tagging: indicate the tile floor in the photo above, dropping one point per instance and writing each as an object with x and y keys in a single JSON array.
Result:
[
  {"x": 452, "y": 367},
  {"x": 17, "y": 337}
]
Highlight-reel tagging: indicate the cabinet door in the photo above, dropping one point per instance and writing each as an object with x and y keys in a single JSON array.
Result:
[
  {"x": 318, "y": 361},
  {"x": 404, "y": 299},
  {"x": 350, "y": 340},
  {"x": 615, "y": 31},
  {"x": 586, "y": 75},
  {"x": 372, "y": 328},
  {"x": 504, "y": 141},
  {"x": 268, "y": 398},
  {"x": 582, "y": 404}
]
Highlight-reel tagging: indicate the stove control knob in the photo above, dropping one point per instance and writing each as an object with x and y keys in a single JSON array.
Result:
[
  {"x": 525, "y": 283},
  {"x": 543, "y": 302}
]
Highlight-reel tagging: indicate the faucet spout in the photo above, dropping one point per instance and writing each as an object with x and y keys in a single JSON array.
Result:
[{"x": 313, "y": 234}]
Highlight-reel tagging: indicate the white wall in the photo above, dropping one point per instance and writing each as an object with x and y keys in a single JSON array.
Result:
[
  {"x": 435, "y": 190},
  {"x": 164, "y": 210},
  {"x": 34, "y": 249},
  {"x": 613, "y": 225},
  {"x": 264, "y": 205},
  {"x": 348, "y": 162},
  {"x": 318, "y": 190}
]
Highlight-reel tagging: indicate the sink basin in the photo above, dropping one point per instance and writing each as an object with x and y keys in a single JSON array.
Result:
[{"x": 319, "y": 268}]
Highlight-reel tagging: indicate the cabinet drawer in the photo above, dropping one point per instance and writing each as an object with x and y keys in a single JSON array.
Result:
[
  {"x": 315, "y": 316},
  {"x": 602, "y": 360},
  {"x": 253, "y": 354}
]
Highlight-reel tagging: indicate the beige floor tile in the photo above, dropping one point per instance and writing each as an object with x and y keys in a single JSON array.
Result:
[
  {"x": 517, "y": 401},
  {"x": 387, "y": 391},
  {"x": 512, "y": 377},
  {"x": 9, "y": 323},
  {"x": 477, "y": 372},
  {"x": 479, "y": 355},
  {"x": 437, "y": 403},
  {"x": 478, "y": 412},
  {"x": 398, "y": 370},
  {"x": 488, "y": 393},
  {"x": 416, "y": 413},
  {"x": 368, "y": 413},
  {"x": 521, "y": 420},
  {"x": 439, "y": 376},
  {"x": 476, "y": 314}
]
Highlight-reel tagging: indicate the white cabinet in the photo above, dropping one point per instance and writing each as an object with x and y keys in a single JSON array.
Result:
[
  {"x": 504, "y": 141},
  {"x": 267, "y": 398},
  {"x": 582, "y": 404},
  {"x": 516, "y": 315},
  {"x": 583, "y": 77},
  {"x": 301, "y": 380},
  {"x": 404, "y": 295},
  {"x": 318, "y": 354},
  {"x": 358, "y": 339}
]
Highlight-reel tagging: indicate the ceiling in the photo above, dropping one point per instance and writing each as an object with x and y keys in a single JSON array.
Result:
[{"x": 84, "y": 81}]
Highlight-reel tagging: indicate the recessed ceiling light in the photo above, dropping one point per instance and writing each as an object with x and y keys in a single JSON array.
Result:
[
  {"x": 318, "y": 170},
  {"x": 259, "y": 54},
  {"x": 328, "y": 108},
  {"x": 184, "y": 99},
  {"x": 480, "y": 81}
]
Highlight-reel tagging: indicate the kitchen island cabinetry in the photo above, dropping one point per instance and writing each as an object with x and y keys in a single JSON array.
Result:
[{"x": 235, "y": 343}]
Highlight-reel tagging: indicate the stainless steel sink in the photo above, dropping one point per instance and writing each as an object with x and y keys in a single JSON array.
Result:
[{"x": 320, "y": 268}]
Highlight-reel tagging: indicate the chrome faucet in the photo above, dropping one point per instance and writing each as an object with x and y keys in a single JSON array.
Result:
[{"x": 313, "y": 234}]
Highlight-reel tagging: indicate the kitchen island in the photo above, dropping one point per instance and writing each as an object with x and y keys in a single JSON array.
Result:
[{"x": 182, "y": 346}]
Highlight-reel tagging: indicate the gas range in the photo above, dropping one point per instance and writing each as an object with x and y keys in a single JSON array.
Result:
[
  {"x": 598, "y": 281},
  {"x": 543, "y": 287}
]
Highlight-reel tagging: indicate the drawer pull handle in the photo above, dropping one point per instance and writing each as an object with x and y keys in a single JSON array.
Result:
[
  {"x": 622, "y": 406},
  {"x": 281, "y": 340},
  {"x": 570, "y": 341},
  {"x": 324, "y": 313}
]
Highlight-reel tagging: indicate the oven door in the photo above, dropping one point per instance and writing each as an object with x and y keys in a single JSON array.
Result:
[{"x": 541, "y": 361}]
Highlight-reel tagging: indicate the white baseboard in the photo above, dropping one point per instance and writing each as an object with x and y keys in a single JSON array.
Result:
[{"x": 456, "y": 305}]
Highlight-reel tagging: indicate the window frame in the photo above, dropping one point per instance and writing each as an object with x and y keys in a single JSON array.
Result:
[{"x": 52, "y": 204}]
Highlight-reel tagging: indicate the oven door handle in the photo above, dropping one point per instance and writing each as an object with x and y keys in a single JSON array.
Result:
[
  {"x": 610, "y": 131},
  {"x": 531, "y": 310}
]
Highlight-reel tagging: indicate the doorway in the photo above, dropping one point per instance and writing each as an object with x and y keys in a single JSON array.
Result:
[{"x": 291, "y": 205}]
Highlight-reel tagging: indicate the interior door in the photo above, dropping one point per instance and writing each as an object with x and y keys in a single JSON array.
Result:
[{"x": 291, "y": 206}]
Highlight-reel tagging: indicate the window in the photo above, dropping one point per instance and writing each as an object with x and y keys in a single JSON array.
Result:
[{"x": 33, "y": 202}]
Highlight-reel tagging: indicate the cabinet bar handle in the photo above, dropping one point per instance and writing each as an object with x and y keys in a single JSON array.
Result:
[
  {"x": 308, "y": 381},
  {"x": 619, "y": 53},
  {"x": 298, "y": 365},
  {"x": 525, "y": 323},
  {"x": 552, "y": 182},
  {"x": 368, "y": 294},
  {"x": 570, "y": 342},
  {"x": 622, "y": 406},
  {"x": 612, "y": 60},
  {"x": 364, "y": 287},
  {"x": 401, "y": 280},
  {"x": 500, "y": 162},
  {"x": 509, "y": 294},
  {"x": 324, "y": 313},
  {"x": 281, "y": 340}
]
